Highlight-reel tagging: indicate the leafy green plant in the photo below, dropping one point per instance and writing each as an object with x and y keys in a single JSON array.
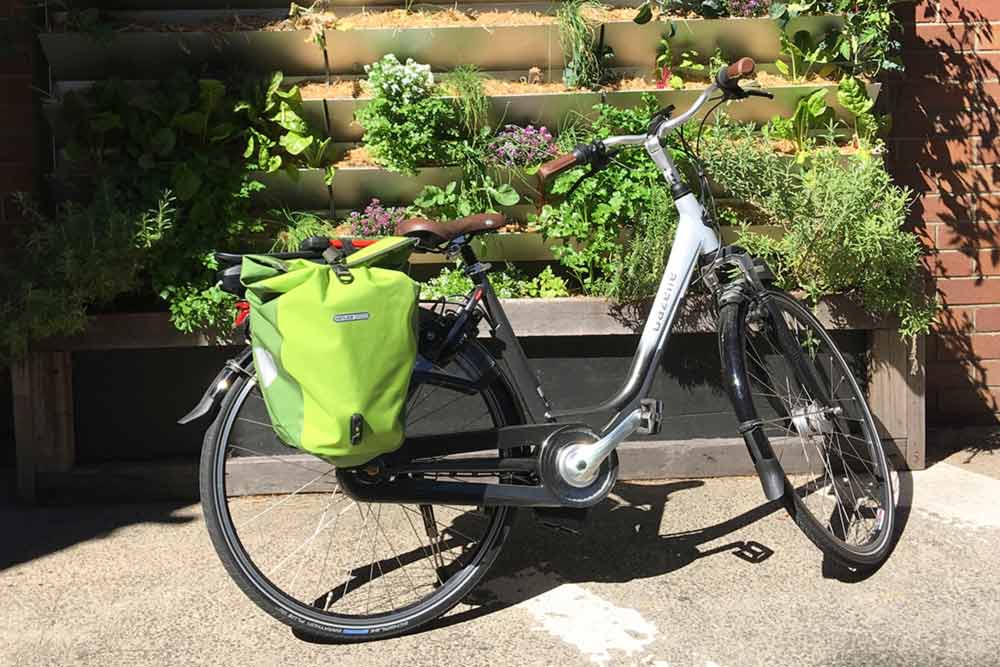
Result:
[
  {"x": 664, "y": 64},
  {"x": 868, "y": 42},
  {"x": 811, "y": 113},
  {"x": 510, "y": 283},
  {"x": 457, "y": 199},
  {"x": 590, "y": 221},
  {"x": 169, "y": 165},
  {"x": 806, "y": 56},
  {"x": 546, "y": 285},
  {"x": 405, "y": 126},
  {"x": 853, "y": 96},
  {"x": 294, "y": 227},
  {"x": 275, "y": 128}
]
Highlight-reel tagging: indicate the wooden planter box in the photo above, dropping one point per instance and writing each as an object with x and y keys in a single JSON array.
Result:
[{"x": 44, "y": 424}]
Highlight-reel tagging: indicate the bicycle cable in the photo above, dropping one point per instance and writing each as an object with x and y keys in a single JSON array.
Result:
[{"x": 705, "y": 196}]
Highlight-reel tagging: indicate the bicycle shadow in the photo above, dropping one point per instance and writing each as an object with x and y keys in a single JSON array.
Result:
[
  {"x": 649, "y": 553},
  {"x": 631, "y": 516}
]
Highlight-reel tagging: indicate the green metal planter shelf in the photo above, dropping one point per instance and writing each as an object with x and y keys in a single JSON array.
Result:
[
  {"x": 77, "y": 56},
  {"x": 553, "y": 109},
  {"x": 354, "y": 187}
]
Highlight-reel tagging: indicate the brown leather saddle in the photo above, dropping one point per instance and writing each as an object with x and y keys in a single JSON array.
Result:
[{"x": 433, "y": 234}]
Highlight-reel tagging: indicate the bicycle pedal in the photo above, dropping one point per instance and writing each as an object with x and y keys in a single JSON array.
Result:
[
  {"x": 752, "y": 552},
  {"x": 564, "y": 519},
  {"x": 652, "y": 416}
]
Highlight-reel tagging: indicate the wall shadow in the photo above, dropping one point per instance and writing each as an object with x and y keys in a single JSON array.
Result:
[{"x": 942, "y": 100}]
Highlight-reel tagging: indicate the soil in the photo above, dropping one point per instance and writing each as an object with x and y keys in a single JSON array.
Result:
[
  {"x": 353, "y": 88},
  {"x": 356, "y": 157},
  {"x": 339, "y": 88},
  {"x": 400, "y": 18},
  {"x": 374, "y": 18}
]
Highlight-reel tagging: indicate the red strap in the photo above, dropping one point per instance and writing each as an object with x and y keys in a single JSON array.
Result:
[
  {"x": 242, "y": 312},
  {"x": 357, "y": 243}
]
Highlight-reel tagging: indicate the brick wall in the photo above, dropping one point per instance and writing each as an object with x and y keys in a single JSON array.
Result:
[
  {"x": 19, "y": 144},
  {"x": 945, "y": 138}
]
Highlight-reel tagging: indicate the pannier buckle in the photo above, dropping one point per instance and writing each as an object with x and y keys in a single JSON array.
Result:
[{"x": 357, "y": 424}]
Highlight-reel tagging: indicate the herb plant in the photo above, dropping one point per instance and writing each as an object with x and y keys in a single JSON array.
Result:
[
  {"x": 842, "y": 222},
  {"x": 590, "y": 222},
  {"x": 583, "y": 67},
  {"x": 508, "y": 284},
  {"x": 466, "y": 83},
  {"x": 515, "y": 146},
  {"x": 405, "y": 125},
  {"x": 459, "y": 199}
]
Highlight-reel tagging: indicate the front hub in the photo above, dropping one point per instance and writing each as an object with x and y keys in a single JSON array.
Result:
[{"x": 813, "y": 419}]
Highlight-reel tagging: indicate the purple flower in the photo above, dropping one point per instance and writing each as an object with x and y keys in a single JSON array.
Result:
[
  {"x": 375, "y": 220},
  {"x": 516, "y": 146},
  {"x": 749, "y": 8}
]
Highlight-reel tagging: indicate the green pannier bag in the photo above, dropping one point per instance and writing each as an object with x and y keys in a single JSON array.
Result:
[{"x": 334, "y": 346}]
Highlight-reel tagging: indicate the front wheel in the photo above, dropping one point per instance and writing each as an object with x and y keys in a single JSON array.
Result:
[
  {"x": 788, "y": 376},
  {"x": 324, "y": 564}
]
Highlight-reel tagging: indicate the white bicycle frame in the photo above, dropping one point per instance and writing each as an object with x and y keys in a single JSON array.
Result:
[{"x": 579, "y": 464}]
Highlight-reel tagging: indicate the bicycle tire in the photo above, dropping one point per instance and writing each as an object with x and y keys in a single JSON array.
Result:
[
  {"x": 309, "y": 622},
  {"x": 737, "y": 334}
]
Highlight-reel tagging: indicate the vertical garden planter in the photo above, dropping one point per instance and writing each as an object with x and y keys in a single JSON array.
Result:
[
  {"x": 43, "y": 385},
  {"x": 145, "y": 55}
]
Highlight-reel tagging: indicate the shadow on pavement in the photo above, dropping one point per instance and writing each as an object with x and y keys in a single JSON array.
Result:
[
  {"x": 621, "y": 542},
  {"x": 33, "y": 532}
]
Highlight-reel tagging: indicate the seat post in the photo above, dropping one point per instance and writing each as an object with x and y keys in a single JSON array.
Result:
[{"x": 475, "y": 269}]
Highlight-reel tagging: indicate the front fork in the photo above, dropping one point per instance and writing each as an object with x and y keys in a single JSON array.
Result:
[{"x": 734, "y": 298}]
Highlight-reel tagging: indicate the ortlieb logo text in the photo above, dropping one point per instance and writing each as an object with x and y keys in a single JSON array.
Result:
[{"x": 350, "y": 317}]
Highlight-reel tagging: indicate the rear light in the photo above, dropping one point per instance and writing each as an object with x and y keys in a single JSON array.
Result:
[{"x": 242, "y": 312}]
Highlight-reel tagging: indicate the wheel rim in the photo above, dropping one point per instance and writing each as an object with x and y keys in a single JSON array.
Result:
[
  {"x": 313, "y": 551},
  {"x": 833, "y": 457}
]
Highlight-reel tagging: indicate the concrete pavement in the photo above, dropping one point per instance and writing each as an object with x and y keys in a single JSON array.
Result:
[{"x": 674, "y": 573}]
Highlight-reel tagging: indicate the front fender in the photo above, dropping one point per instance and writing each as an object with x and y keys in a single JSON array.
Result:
[{"x": 239, "y": 365}]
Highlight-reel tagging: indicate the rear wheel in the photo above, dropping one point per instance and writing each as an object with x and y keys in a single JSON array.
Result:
[
  {"x": 329, "y": 566},
  {"x": 803, "y": 392}
]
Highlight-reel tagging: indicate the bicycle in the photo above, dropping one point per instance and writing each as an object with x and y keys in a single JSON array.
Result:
[{"x": 418, "y": 528}]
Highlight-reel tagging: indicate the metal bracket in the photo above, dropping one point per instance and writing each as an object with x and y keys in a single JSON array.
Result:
[
  {"x": 651, "y": 415},
  {"x": 234, "y": 365}
]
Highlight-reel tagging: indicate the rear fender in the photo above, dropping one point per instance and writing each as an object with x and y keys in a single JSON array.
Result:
[{"x": 210, "y": 400}]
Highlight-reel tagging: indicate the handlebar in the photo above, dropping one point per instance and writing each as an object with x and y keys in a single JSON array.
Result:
[
  {"x": 727, "y": 80},
  {"x": 731, "y": 74},
  {"x": 558, "y": 165}
]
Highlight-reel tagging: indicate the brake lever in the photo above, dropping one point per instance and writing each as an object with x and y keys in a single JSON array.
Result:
[
  {"x": 576, "y": 184},
  {"x": 737, "y": 93},
  {"x": 599, "y": 163}
]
